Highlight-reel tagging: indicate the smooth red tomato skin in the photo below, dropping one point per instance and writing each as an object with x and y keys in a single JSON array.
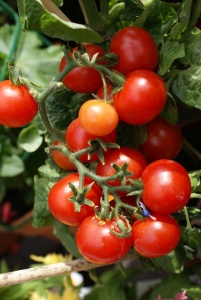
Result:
[
  {"x": 77, "y": 138},
  {"x": 136, "y": 163},
  {"x": 97, "y": 244},
  {"x": 155, "y": 238},
  {"x": 167, "y": 187},
  {"x": 63, "y": 209},
  {"x": 142, "y": 97},
  {"x": 17, "y": 105},
  {"x": 98, "y": 117},
  {"x": 136, "y": 49},
  {"x": 83, "y": 79},
  {"x": 61, "y": 159},
  {"x": 163, "y": 140}
]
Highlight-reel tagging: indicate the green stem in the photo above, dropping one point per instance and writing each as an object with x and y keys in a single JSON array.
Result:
[
  {"x": 91, "y": 14},
  {"x": 187, "y": 218},
  {"x": 195, "y": 14},
  {"x": 195, "y": 196},
  {"x": 15, "y": 38},
  {"x": 57, "y": 134}
]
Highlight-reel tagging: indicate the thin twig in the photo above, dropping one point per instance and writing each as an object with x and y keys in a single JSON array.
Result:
[{"x": 25, "y": 275}]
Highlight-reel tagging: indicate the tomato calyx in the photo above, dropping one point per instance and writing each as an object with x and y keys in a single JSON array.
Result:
[{"x": 78, "y": 197}]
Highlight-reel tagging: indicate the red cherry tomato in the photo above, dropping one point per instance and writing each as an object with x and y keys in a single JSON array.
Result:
[
  {"x": 83, "y": 79},
  {"x": 17, "y": 105},
  {"x": 77, "y": 139},
  {"x": 136, "y": 164},
  {"x": 155, "y": 237},
  {"x": 142, "y": 97},
  {"x": 97, "y": 244},
  {"x": 163, "y": 140},
  {"x": 61, "y": 159},
  {"x": 63, "y": 209},
  {"x": 98, "y": 117},
  {"x": 167, "y": 187},
  {"x": 136, "y": 49}
]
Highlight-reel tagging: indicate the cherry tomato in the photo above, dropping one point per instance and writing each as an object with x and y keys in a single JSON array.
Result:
[
  {"x": 136, "y": 164},
  {"x": 136, "y": 49},
  {"x": 163, "y": 140},
  {"x": 63, "y": 209},
  {"x": 155, "y": 237},
  {"x": 97, "y": 244},
  {"x": 83, "y": 79},
  {"x": 98, "y": 117},
  {"x": 61, "y": 159},
  {"x": 142, "y": 97},
  {"x": 167, "y": 187},
  {"x": 17, "y": 105},
  {"x": 77, "y": 139}
]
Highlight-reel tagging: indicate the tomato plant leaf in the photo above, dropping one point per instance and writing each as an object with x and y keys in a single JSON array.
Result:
[
  {"x": 176, "y": 282},
  {"x": 41, "y": 15},
  {"x": 192, "y": 238},
  {"x": 170, "y": 51},
  {"x": 172, "y": 262},
  {"x": 38, "y": 63},
  {"x": 30, "y": 139},
  {"x": 194, "y": 292},
  {"x": 64, "y": 233},
  {"x": 11, "y": 165},
  {"x": 187, "y": 85},
  {"x": 170, "y": 111},
  {"x": 48, "y": 175}
]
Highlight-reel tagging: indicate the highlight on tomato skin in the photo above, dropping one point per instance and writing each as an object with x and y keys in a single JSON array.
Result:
[
  {"x": 155, "y": 236},
  {"x": 97, "y": 244},
  {"x": 164, "y": 141}
]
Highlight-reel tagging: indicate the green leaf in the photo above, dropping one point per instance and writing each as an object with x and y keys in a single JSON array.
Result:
[
  {"x": 30, "y": 139},
  {"x": 48, "y": 175},
  {"x": 187, "y": 86},
  {"x": 11, "y": 165},
  {"x": 135, "y": 135},
  {"x": 183, "y": 19},
  {"x": 172, "y": 263},
  {"x": 67, "y": 238},
  {"x": 194, "y": 292},
  {"x": 42, "y": 214},
  {"x": 170, "y": 111},
  {"x": 162, "y": 16},
  {"x": 170, "y": 286},
  {"x": 47, "y": 18},
  {"x": 63, "y": 106},
  {"x": 192, "y": 238},
  {"x": 170, "y": 51},
  {"x": 195, "y": 181},
  {"x": 39, "y": 64},
  {"x": 2, "y": 189}
]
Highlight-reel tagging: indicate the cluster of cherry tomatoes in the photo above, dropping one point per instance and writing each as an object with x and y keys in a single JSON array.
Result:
[
  {"x": 165, "y": 184},
  {"x": 136, "y": 96}
]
